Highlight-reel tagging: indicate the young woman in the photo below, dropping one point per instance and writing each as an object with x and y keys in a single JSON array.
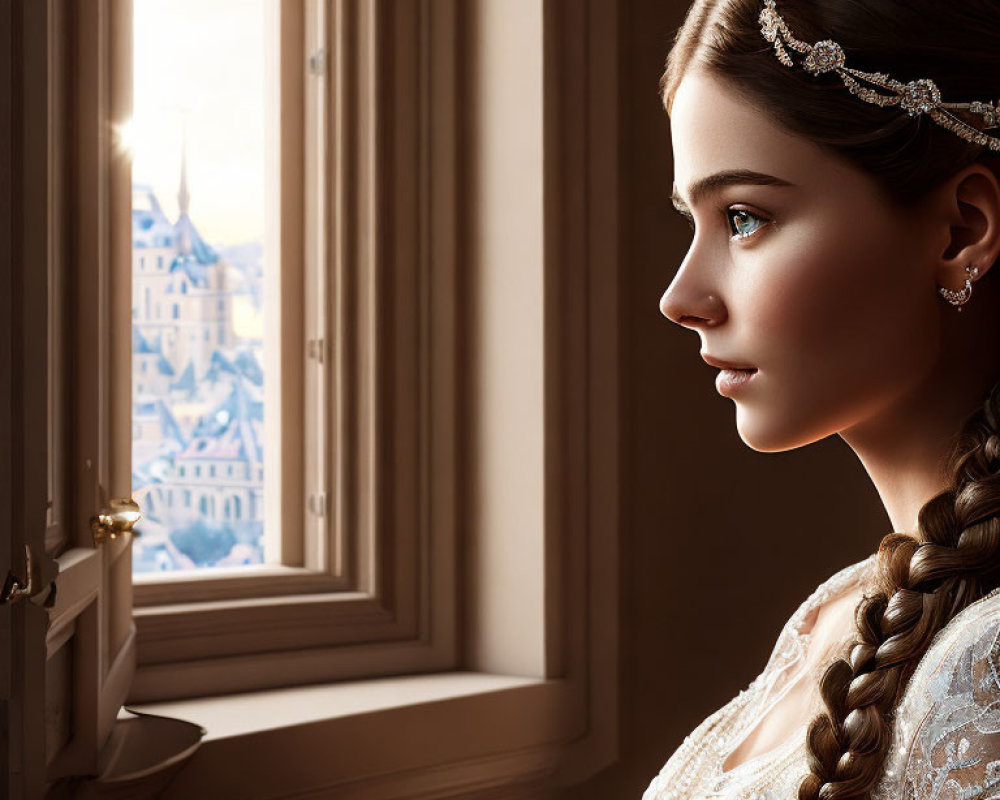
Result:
[{"x": 839, "y": 163}]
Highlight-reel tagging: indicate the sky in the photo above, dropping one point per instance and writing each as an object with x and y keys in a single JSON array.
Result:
[{"x": 199, "y": 65}]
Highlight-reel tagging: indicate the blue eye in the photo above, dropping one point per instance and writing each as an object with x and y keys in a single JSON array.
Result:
[{"x": 744, "y": 223}]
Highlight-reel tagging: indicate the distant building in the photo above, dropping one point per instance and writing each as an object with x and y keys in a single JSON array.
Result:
[
  {"x": 182, "y": 292},
  {"x": 221, "y": 470},
  {"x": 198, "y": 419}
]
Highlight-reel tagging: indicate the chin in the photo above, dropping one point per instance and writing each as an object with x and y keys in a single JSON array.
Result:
[{"x": 769, "y": 435}]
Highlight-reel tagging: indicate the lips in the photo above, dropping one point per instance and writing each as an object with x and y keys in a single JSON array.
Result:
[
  {"x": 721, "y": 364},
  {"x": 733, "y": 376}
]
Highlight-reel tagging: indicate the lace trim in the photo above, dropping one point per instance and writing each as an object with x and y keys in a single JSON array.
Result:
[
  {"x": 946, "y": 733},
  {"x": 946, "y": 730},
  {"x": 698, "y": 761}
]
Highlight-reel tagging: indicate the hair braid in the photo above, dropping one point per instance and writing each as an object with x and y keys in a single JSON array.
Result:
[{"x": 922, "y": 584}]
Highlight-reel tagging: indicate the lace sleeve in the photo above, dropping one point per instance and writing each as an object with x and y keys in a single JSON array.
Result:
[{"x": 946, "y": 740}]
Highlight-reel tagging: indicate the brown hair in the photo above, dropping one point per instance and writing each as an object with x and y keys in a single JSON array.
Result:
[{"x": 920, "y": 583}]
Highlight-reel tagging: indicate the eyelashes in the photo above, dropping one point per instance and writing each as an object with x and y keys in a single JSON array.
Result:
[
  {"x": 683, "y": 210},
  {"x": 742, "y": 222}
]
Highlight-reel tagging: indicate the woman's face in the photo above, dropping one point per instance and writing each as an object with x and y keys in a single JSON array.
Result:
[{"x": 807, "y": 275}]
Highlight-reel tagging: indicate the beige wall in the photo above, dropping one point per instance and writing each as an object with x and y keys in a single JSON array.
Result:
[{"x": 719, "y": 543}]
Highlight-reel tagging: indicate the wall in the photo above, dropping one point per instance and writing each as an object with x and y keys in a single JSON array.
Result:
[{"x": 720, "y": 543}]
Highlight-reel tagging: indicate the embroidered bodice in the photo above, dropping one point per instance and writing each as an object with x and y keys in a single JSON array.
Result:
[{"x": 945, "y": 733}]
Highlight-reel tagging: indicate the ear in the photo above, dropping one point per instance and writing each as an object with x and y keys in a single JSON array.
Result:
[{"x": 969, "y": 205}]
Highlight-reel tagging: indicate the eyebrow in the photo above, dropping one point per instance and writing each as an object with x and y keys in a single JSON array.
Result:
[{"x": 719, "y": 180}]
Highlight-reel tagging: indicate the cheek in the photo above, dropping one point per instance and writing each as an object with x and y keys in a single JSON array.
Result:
[
  {"x": 811, "y": 299},
  {"x": 840, "y": 325}
]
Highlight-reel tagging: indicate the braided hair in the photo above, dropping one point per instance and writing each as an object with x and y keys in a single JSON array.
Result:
[
  {"x": 922, "y": 581},
  {"x": 921, "y": 585}
]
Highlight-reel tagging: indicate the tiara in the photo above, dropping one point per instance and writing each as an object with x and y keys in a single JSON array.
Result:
[{"x": 916, "y": 97}]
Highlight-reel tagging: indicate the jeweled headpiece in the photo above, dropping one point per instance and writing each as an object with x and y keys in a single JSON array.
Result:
[{"x": 916, "y": 97}]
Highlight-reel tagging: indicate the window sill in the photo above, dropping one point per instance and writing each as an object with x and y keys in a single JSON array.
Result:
[
  {"x": 229, "y": 583},
  {"x": 413, "y": 736}
]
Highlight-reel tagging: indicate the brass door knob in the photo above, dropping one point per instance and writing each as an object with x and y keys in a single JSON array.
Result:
[{"x": 115, "y": 520}]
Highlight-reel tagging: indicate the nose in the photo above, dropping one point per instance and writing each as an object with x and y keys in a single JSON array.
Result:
[{"x": 691, "y": 306}]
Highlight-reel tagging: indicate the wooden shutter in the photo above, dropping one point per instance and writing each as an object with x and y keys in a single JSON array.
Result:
[{"x": 68, "y": 666}]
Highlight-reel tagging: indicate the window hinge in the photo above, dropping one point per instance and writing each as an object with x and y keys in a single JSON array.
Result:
[
  {"x": 16, "y": 588},
  {"x": 317, "y": 62},
  {"x": 316, "y": 348},
  {"x": 317, "y": 504}
]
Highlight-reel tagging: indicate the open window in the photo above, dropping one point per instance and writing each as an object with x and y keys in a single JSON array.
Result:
[
  {"x": 337, "y": 414},
  {"x": 445, "y": 430}
]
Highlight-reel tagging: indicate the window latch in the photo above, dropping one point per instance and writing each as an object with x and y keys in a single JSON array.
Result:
[
  {"x": 315, "y": 348},
  {"x": 317, "y": 62},
  {"x": 317, "y": 504}
]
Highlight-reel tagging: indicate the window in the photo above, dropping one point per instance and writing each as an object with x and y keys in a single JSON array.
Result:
[
  {"x": 321, "y": 424},
  {"x": 416, "y": 415}
]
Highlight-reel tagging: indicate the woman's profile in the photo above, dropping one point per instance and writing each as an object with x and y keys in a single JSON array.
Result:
[{"x": 839, "y": 162}]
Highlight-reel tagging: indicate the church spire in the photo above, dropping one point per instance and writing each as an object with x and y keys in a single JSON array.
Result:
[
  {"x": 187, "y": 240},
  {"x": 183, "y": 196}
]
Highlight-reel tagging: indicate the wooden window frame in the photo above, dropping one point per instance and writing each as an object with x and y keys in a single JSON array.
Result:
[
  {"x": 535, "y": 317},
  {"x": 539, "y": 199},
  {"x": 366, "y": 318}
]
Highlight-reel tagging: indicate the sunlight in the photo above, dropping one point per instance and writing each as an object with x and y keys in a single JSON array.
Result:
[{"x": 124, "y": 134}]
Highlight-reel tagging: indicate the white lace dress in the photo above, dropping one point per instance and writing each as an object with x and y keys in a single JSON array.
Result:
[{"x": 946, "y": 730}]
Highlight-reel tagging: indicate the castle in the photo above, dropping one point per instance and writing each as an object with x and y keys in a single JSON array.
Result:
[{"x": 197, "y": 390}]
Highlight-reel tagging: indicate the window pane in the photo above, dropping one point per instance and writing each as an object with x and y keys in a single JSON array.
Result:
[{"x": 199, "y": 280}]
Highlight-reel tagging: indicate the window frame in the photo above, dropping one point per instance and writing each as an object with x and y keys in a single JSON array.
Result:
[
  {"x": 353, "y": 591},
  {"x": 557, "y": 624}
]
